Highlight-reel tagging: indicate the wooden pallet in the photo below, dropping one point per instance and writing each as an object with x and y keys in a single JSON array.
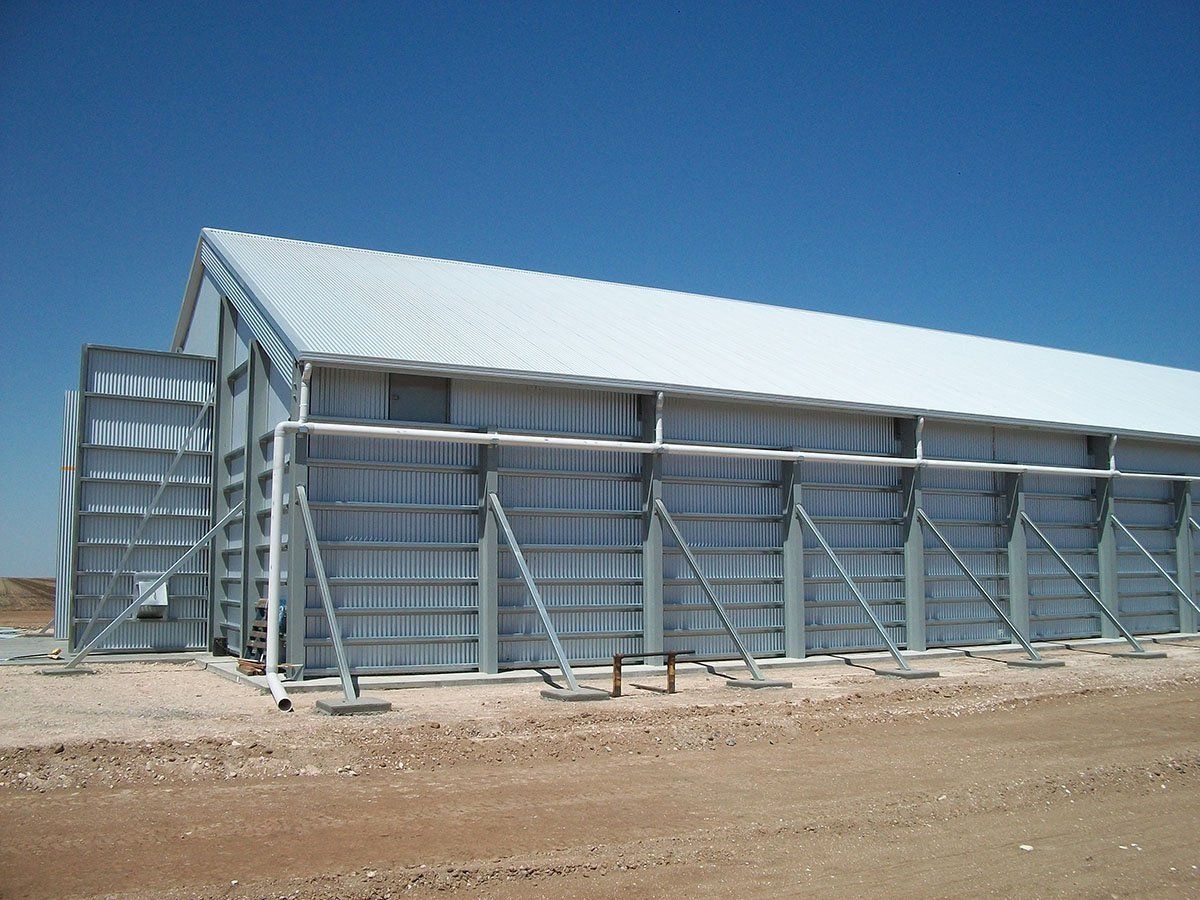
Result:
[{"x": 257, "y": 639}]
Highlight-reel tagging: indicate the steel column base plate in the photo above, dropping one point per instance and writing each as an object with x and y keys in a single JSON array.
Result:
[
  {"x": 755, "y": 683},
  {"x": 65, "y": 671},
  {"x": 1145, "y": 654},
  {"x": 581, "y": 695},
  {"x": 907, "y": 673},
  {"x": 363, "y": 706},
  {"x": 1034, "y": 663}
]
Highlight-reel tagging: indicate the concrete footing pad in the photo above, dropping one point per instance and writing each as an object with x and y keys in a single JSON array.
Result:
[
  {"x": 65, "y": 671},
  {"x": 1034, "y": 663},
  {"x": 362, "y": 706},
  {"x": 907, "y": 673},
  {"x": 1133, "y": 654},
  {"x": 754, "y": 683},
  {"x": 581, "y": 695}
]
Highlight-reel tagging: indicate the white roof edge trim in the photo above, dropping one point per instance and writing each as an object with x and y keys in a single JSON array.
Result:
[
  {"x": 416, "y": 368},
  {"x": 187, "y": 307},
  {"x": 275, "y": 343}
]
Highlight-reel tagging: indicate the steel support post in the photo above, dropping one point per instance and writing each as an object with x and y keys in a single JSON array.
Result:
[
  {"x": 488, "y": 620},
  {"x": 1185, "y": 564},
  {"x": 793, "y": 564},
  {"x": 1106, "y": 536},
  {"x": 335, "y": 630},
  {"x": 652, "y": 530},
  {"x": 251, "y": 465},
  {"x": 914, "y": 539},
  {"x": 1017, "y": 543}
]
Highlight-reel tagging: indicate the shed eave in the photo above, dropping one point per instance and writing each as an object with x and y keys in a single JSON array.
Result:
[{"x": 397, "y": 365}]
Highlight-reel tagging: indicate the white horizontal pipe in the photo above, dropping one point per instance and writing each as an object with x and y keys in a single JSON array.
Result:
[
  {"x": 615, "y": 446},
  {"x": 497, "y": 439}
]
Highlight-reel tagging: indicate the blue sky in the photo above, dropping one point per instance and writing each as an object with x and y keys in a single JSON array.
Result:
[{"x": 1026, "y": 172}]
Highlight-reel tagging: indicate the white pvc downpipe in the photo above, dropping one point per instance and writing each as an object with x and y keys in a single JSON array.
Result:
[
  {"x": 496, "y": 439},
  {"x": 275, "y": 554}
]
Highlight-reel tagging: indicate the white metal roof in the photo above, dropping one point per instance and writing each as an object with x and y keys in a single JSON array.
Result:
[{"x": 371, "y": 307}]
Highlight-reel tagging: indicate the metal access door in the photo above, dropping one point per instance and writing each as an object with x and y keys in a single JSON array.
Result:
[{"x": 143, "y": 418}]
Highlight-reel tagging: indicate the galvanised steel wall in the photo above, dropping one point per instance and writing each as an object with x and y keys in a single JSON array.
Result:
[
  {"x": 968, "y": 509},
  {"x": 577, "y": 517},
  {"x": 135, "y": 410},
  {"x": 1148, "y": 604},
  {"x": 730, "y": 512},
  {"x": 397, "y": 525},
  {"x": 233, "y": 395},
  {"x": 1065, "y": 509},
  {"x": 64, "y": 570}
]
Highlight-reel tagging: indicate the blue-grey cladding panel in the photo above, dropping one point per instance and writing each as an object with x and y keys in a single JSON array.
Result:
[
  {"x": 135, "y": 411},
  {"x": 1147, "y": 602},
  {"x": 64, "y": 575}
]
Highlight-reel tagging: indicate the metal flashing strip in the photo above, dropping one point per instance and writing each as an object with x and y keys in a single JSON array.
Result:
[
  {"x": 279, "y": 355},
  {"x": 68, "y": 479}
]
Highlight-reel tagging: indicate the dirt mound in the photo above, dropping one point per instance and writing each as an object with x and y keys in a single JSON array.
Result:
[{"x": 27, "y": 593}]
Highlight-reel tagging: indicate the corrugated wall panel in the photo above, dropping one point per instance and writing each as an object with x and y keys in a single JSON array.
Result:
[
  {"x": 397, "y": 523},
  {"x": 562, "y": 499},
  {"x": 349, "y": 393},
  {"x": 136, "y": 410},
  {"x": 728, "y": 503},
  {"x": 525, "y": 407},
  {"x": 400, "y": 522},
  {"x": 68, "y": 475},
  {"x": 1147, "y": 602},
  {"x": 128, "y": 373}
]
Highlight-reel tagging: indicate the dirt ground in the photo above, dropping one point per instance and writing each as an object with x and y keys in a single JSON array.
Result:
[
  {"x": 165, "y": 781},
  {"x": 26, "y": 603}
]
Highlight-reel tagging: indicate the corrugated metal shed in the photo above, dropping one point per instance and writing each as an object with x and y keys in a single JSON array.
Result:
[{"x": 334, "y": 303}]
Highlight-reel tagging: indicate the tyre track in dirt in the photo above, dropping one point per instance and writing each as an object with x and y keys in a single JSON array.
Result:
[{"x": 838, "y": 787}]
